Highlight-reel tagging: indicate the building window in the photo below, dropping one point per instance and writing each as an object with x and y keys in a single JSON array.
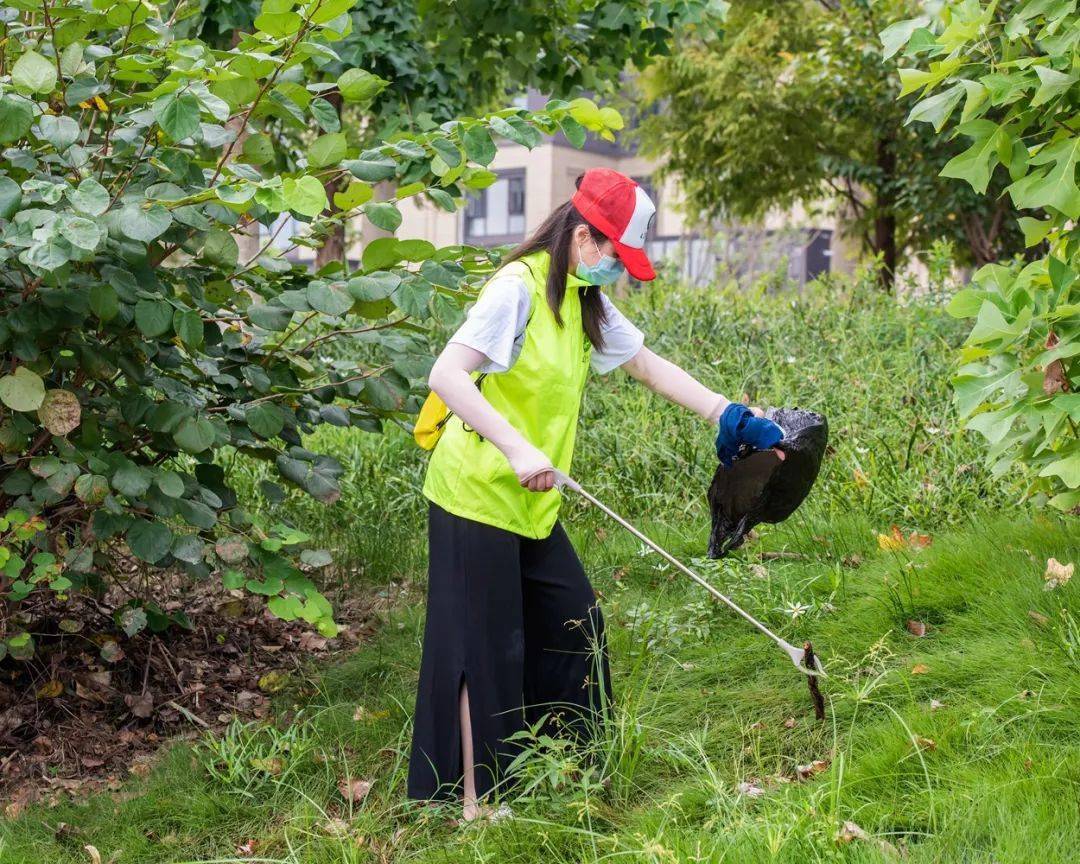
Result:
[{"x": 496, "y": 215}]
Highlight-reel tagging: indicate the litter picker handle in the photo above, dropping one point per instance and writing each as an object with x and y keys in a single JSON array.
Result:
[
  {"x": 562, "y": 480},
  {"x": 797, "y": 656}
]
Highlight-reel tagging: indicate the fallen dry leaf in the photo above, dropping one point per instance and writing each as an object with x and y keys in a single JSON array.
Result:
[
  {"x": 1054, "y": 378},
  {"x": 141, "y": 705},
  {"x": 757, "y": 724},
  {"x": 312, "y": 641},
  {"x": 1038, "y": 618},
  {"x": 1057, "y": 574},
  {"x": 926, "y": 743},
  {"x": 920, "y": 669},
  {"x": 354, "y": 790},
  {"x": 851, "y": 831},
  {"x": 804, "y": 772},
  {"x": 246, "y": 849},
  {"x": 95, "y": 856},
  {"x": 272, "y": 682},
  {"x": 336, "y": 827},
  {"x": 50, "y": 689},
  {"x": 860, "y": 478},
  {"x": 916, "y": 628},
  {"x": 272, "y": 765},
  {"x": 935, "y": 704},
  {"x": 789, "y": 723},
  {"x": 750, "y": 789},
  {"x": 895, "y": 540}
]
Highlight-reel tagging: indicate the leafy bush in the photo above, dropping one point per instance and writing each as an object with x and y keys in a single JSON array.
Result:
[
  {"x": 138, "y": 342},
  {"x": 1013, "y": 67}
]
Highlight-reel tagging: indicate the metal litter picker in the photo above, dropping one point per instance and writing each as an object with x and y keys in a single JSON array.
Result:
[{"x": 804, "y": 658}]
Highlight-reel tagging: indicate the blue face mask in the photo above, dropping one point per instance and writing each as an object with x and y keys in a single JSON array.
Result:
[{"x": 604, "y": 272}]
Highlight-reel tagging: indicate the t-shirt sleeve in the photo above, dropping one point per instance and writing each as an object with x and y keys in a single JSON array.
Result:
[
  {"x": 622, "y": 340},
  {"x": 495, "y": 321}
]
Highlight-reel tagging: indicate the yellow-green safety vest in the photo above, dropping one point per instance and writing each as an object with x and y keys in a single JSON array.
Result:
[{"x": 540, "y": 395}]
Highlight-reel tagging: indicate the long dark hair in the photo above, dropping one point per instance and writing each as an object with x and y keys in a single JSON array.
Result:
[{"x": 554, "y": 236}]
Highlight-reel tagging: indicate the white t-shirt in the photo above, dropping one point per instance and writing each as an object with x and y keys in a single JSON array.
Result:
[{"x": 495, "y": 327}]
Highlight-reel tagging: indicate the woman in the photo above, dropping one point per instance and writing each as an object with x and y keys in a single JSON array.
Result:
[{"x": 513, "y": 633}]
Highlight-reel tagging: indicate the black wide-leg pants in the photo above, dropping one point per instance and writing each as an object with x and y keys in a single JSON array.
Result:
[{"x": 516, "y": 620}]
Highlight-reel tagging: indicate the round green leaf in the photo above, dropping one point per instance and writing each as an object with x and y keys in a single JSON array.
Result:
[
  {"x": 153, "y": 317},
  {"x": 11, "y": 197},
  {"x": 22, "y": 390},
  {"x": 188, "y": 547},
  {"x": 194, "y": 435},
  {"x": 325, "y": 115},
  {"x": 265, "y": 419},
  {"x": 149, "y": 541},
  {"x": 60, "y": 131},
  {"x": 328, "y": 298},
  {"x": 478, "y": 145},
  {"x": 221, "y": 248},
  {"x": 144, "y": 224},
  {"x": 305, "y": 195},
  {"x": 103, "y": 301},
  {"x": 33, "y": 73},
  {"x": 170, "y": 483},
  {"x": 327, "y": 150},
  {"x": 178, "y": 114},
  {"x": 132, "y": 480},
  {"x": 188, "y": 326},
  {"x": 80, "y": 232},
  {"x": 415, "y": 250},
  {"x": 16, "y": 117},
  {"x": 356, "y": 194},
  {"x": 257, "y": 150},
  {"x": 279, "y": 24},
  {"x": 359, "y": 85},
  {"x": 381, "y": 253},
  {"x": 383, "y": 215},
  {"x": 371, "y": 168},
  {"x": 447, "y": 151},
  {"x": 89, "y": 197},
  {"x": 374, "y": 286}
]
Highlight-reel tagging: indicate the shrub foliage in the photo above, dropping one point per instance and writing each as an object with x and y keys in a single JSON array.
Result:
[
  {"x": 1005, "y": 77},
  {"x": 139, "y": 342}
]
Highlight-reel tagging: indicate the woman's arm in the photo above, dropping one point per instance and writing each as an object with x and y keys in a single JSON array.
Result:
[
  {"x": 676, "y": 385},
  {"x": 450, "y": 378}
]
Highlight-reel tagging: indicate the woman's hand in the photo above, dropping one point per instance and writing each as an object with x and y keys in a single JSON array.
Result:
[
  {"x": 532, "y": 467},
  {"x": 740, "y": 425}
]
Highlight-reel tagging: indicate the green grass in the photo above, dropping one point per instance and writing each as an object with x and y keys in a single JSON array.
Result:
[{"x": 701, "y": 700}]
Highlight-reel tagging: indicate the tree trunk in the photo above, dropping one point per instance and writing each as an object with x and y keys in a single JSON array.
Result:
[
  {"x": 983, "y": 240},
  {"x": 885, "y": 214},
  {"x": 334, "y": 247}
]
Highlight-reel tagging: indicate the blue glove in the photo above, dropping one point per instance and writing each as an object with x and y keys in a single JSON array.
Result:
[{"x": 738, "y": 426}]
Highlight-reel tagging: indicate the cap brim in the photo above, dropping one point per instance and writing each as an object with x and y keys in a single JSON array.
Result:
[{"x": 636, "y": 262}]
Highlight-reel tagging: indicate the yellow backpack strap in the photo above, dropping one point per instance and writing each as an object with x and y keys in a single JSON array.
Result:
[
  {"x": 433, "y": 417},
  {"x": 435, "y": 414}
]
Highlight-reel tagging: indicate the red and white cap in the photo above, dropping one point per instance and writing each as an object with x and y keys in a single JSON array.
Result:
[{"x": 619, "y": 208}]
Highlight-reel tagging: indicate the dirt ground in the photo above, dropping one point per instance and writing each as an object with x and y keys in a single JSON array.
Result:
[{"x": 93, "y": 707}]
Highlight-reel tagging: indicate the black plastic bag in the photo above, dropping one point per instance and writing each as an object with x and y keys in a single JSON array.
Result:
[{"x": 761, "y": 487}]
